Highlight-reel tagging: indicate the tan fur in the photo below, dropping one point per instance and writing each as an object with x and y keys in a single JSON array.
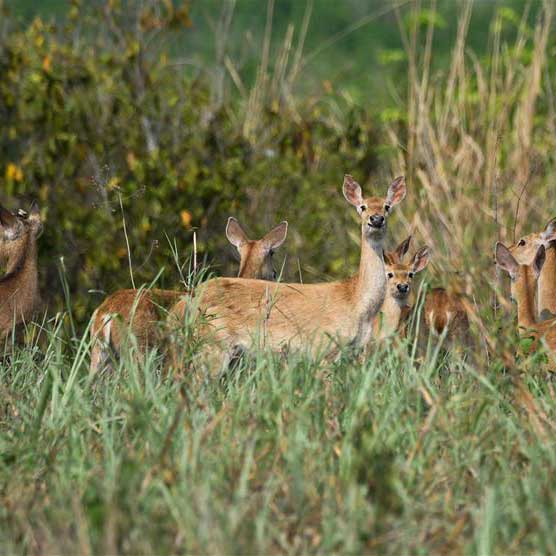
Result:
[
  {"x": 396, "y": 308},
  {"x": 523, "y": 284},
  {"x": 446, "y": 311},
  {"x": 243, "y": 313},
  {"x": 139, "y": 311},
  {"x": 19, "y": 291},
  {"x": 524, "y": 251}
]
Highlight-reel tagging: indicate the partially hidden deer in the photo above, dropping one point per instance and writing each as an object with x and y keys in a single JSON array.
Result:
[
  {"x": 19, "y": 287},
  {"x": 523, "y": 282},
  {"x": 139, "y": 312},
  {"x": 446, "y": 313},
  {"x": 524, "y": 251},
  {"x": 399, "y": 275},
  {"x": 241, "y": 314}
]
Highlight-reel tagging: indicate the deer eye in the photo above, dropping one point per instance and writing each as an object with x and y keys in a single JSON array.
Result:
[
  {"x": 390, "y": 275},
  {"x": 387, "y": 208},
  {"x": 411, "y": 274},
  {"x": 521, "y": 243},
  {"x": 363, "y": 208}
]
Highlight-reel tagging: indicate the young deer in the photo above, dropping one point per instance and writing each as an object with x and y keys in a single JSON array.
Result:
[
  {"x": 299, "y": 315},
  {"x": 524, "y": 252},
  {"x": 19, "y": 290},
  {"x": 523, "y": 283},
  {"x": 395, "y": 308},
  {"x": 140, "y": 311}
]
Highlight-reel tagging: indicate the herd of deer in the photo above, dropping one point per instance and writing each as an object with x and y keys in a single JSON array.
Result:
[{"x": 234, "y": 315}]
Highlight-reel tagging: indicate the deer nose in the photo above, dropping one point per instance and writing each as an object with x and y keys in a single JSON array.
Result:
[
  {"x": 377, "y": 220},
  {"x": 403, "y": 288}
]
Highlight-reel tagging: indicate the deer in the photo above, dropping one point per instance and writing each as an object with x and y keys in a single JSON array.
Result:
[
  {"x": 523, "y": 281},
  {"x": 447, "y": 313},
  {"x": 241, "y": 314},
  {"x": 140, "y": 311},
  {"x": 524, "y": 251},
  {"x": 395, "y": 308},
  {"x": 19, "y": 287}
]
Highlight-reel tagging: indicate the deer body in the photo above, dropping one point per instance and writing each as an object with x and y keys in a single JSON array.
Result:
[
  {"x": 19, "y": 289},
  {"x": 546, "y": 286},
  {"x": 523, "y": 284},
  {"x": 141, "y": 311},
  {"x": 135, "y": 311},
  {"x": 446, "y": 312},
  {"x": 524, "y": 252},
  {"x": 279, "y": 315},
  {"x": 244, "y": 313}
]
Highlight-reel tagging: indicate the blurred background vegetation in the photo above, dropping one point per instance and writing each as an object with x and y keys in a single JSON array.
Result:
[{"x": 176, "y": 115}]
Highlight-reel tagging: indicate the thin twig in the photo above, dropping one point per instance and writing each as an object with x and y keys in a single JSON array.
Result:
[{"x": 127, "y": 242}]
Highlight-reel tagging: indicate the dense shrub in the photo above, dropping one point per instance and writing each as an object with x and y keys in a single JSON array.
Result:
[{"x": 94, "y": 113}]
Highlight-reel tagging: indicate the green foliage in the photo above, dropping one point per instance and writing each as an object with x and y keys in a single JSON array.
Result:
[
  {"x": 95, "y": 115},
  {"x": 288, "y": 454}
]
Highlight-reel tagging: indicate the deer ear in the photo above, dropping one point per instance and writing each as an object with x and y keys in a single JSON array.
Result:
[
  {"x": 396, "y": 191},
  {"x": 7, "y": 219},
  {"x": 352, "y": 192},
  {"x": 505, "y": 260},
  {"x": 389, "y": 258},
  {"x": 539, "y": 259},
  {"x": 276, "y": 236},
  {"x": 235, "y": 234},
  {"x": 420, "y": 259},
  {"x": 34, "y": 211},
  {"x": 35, "y": 218},
  {"x": 549, "y": 232},
  {"x": 403, "y": 248}
]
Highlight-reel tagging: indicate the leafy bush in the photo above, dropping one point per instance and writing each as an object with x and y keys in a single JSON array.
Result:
[{"x": 97, "y": 119}]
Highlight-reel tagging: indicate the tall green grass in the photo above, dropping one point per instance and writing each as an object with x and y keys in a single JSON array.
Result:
[
  {"x": 398, "y": 452},
  {"x": 384, "y": 454}
]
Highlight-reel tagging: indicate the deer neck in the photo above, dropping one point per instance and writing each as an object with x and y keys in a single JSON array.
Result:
[
  {"x": 21, "y": 276},
  {"x": 371, "y": 280},
  {"x": 525, "y": 297},
  {"x": 391, "y": 315},
  {"x": 547, "y": 283}
]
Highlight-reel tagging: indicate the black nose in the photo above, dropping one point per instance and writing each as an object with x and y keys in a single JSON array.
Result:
[
  {"x": 377, "y": 220},
  {"x": 403, "y": 288}
]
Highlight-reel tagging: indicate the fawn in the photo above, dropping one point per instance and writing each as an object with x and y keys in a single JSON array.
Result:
[
  {"x": 283, "y": 315},
  {"x": 523, "y": 281},
  {"x": 19, "y": 289},
  {"x": 524, "y": 252},
  {"x": 142, "y": 310},
  {"x": 399, "y": 278}
]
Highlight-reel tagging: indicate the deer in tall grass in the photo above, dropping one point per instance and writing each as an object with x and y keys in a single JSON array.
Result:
[
  {"x": 240, "y": 314},
  {"x": 524, "y": 252},
  {"x": 523, "y": 279},
  {"x": 140, "y": 311},
  {"x": 447, "y": 313},
  {"x": 19, "y": 289},
  {"x": 399, "y": 275}
]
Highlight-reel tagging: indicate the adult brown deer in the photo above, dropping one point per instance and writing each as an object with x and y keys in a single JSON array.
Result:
[
  {"x": 240, "y": 314},
  {"x": 139, "y": 312},
  {"x": 19, "y": 290},
  {"x": 524, "y": 251},
  {"x": 523, "y": 285}
]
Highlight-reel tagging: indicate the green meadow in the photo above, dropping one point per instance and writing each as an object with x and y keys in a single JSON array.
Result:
[{"x": 139, "y": 127}]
